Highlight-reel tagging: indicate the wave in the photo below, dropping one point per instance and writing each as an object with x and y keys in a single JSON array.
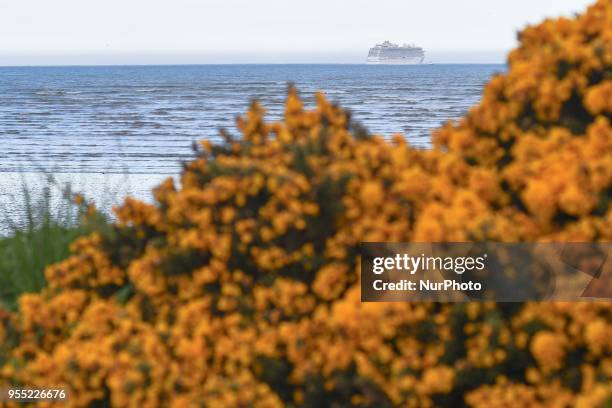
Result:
[{"x": 82, "y": 114}]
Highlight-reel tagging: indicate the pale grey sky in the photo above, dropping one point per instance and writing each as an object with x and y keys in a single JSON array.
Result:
[{"x": 231, "y": 31}]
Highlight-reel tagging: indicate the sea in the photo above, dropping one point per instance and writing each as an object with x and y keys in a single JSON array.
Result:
[{"x": 112, "y": 131}]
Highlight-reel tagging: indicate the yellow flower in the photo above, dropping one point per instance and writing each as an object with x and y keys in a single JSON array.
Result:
[
  {"x": 437, "y": 379},
  {"x": 598, "y": 335},
  {"x": 549, "y": 349}
]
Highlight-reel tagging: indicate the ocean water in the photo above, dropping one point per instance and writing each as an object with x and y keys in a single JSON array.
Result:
[{"x": 138, "y": 123}]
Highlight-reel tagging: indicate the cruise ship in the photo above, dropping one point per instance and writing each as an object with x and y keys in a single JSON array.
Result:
[{"x": 389, "y": 53}]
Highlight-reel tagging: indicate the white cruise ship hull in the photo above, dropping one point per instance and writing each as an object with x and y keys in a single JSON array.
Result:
[{"x": 403, "y": 61}]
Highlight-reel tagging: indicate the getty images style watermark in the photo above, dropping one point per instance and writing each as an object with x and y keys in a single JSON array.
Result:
[{"x": 461, "y": 272}]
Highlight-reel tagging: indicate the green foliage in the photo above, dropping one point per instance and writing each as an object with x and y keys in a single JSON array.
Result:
[{"x": 43, "y": 239}]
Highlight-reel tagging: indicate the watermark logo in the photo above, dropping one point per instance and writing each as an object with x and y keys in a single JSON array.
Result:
[{"x": 460, "y": 272}]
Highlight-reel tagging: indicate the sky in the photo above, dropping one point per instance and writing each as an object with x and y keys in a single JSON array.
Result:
[{"x": 75, "y": 32}]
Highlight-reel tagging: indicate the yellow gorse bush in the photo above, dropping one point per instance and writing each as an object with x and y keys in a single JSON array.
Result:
[{"x": 241, "y": 287}]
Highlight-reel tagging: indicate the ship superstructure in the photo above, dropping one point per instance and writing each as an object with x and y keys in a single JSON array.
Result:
[{"x": 389, "y": 53}]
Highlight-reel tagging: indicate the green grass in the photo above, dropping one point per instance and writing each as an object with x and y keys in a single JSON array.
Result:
[{"x": 43, "y": 239}]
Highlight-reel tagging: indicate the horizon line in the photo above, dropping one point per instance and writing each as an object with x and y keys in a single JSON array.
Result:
[{"x": 234, "y": 63}]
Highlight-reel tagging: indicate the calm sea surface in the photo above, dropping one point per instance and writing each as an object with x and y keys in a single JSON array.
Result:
[{"x": 130, "y": 126}]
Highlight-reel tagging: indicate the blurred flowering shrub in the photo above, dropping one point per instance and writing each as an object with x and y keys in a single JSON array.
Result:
[{"x": 241, "y": 287}]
